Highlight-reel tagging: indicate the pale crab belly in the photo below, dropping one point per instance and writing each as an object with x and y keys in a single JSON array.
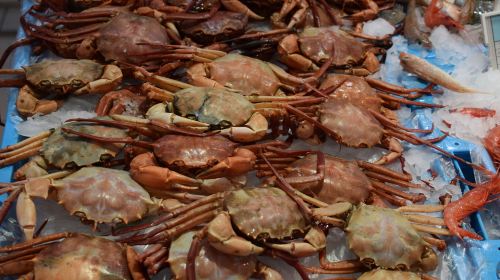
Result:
[
  {"x": 210, "y": 263},
  {"x": 264, "y": 213},
  {"x": 82, "y": 258},
  {"x": 353, "y": 126},
  {"x": 103, "y": 195}
]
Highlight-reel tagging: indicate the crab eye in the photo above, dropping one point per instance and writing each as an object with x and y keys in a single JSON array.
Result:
[
  {"x": 45, "y": 83},
  {"x": 191, "y": 117},
  {"x": 76, "y": 83},
  {"x": 224, "y": 124}
]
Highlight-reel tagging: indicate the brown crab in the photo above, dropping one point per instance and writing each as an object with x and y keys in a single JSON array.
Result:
[
  {"x": 331, "y": 179},
  {"x": 177, "y": 158},
  {"x": 123, "y": 101},
  {"x": 209, "y": 263},
  {"x": 56, "y": 149},
  {"x": 247, "y": 75},
  {"x": 58, "y": 78},
  {"x": 382, "y": 237},
  {"x": 263, "y": 215},
  {"x": 203, "y": 109},
  {"x": 71, "y": 256},
  {"x": 112, "y": 33},
  {"x": 96, "y": 194},
  {"x": 313, "y": 46}
]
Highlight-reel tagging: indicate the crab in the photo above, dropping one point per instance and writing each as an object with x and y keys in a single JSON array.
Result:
[
  {"x": 96, "y": 194},
  {"x": 71, "y": 256},
  {"x": 209, "y": 263},
  {"x": 56, "y": 149},
  {"x": 382, "y": 274},
  {"x": 331, "y": 179},
  {"x": 112, "y": 33},
  {"x": 177, "y": 158},
  {"x": 58, "y": 78},
  {"x": 264, "y": 216},
  {"x": 123, "y": 101},
  {"x": 247, "y": 75},
  {"x": 314, "y": 46},
  {"x": 203, "y": 109},
  {"x": 381, "y": 237}
]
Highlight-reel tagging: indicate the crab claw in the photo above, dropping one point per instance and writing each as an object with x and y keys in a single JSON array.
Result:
[
  {"x": 222, "y": 237},
  {"x": 240, "y": 163},
  {"x": 145, "y": 170}
]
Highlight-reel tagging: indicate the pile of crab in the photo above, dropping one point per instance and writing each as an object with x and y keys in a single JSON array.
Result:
[{"x": 193, "y": 164}]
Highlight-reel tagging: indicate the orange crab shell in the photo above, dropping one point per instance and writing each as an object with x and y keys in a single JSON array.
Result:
[
  {"x": 82, "y": 257},
  {"x": 103, "y": 195},
  {"x": 344, "y": 181}
]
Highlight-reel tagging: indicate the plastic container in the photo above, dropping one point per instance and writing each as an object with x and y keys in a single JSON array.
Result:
[{"x": 483, "y": 256}]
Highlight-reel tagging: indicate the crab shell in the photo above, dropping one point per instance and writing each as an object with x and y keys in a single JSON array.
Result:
[
  {"x": 121, "y": 38},
  {"x": 82, "y": 257},
  {"x": 318, "y": 44},
  {"x": 381, "y": 274},
  {"x": 265, "y": 213},
  {"x": 222, "y": 26},
  {"x": 210, "y": 105},
  {"x": 344, "y": 181},
  {"x": 210, "y": 263},
  {"x": 353, "y": 125},
  {"x": 103, "y": 195},
  {"x": 62, "y": 76},
  {"x": 353, "y": 89},
  {"x": 63, "y": 150},
  {"x": 248, "y": 75},
  {"x": 385, "y": 238},
  {"x": 193, "y": 154}
]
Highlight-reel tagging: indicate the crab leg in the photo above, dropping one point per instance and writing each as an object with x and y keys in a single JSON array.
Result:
[
  {"x": 339, "y": 267},
  {"x": 408, "y": 102},
  {"x": 193, "y": 252},
  {"x": 391, "y": 180},
  {"x": 390, "y": 198},
  {"x": 6, "y": 204},
  {"x": 237, "y": 6},
  {"x": 36, "y": 241},
  {"x": 411, "y": 197},
  {"x": 12, "y": 47},
  {"x": 174, "y": 213},
  {"x": 413, "y": 139},
  {"x": 394, "y": 89},
  {"x": 383, "y": 170},
  {"x": 21, "y": 150}
]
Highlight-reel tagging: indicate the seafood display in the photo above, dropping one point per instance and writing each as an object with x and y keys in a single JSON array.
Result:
[{"x": 241, "y": 139}]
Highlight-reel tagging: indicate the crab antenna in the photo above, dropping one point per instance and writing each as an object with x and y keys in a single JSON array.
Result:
[{"x": 126, "y": 140}]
